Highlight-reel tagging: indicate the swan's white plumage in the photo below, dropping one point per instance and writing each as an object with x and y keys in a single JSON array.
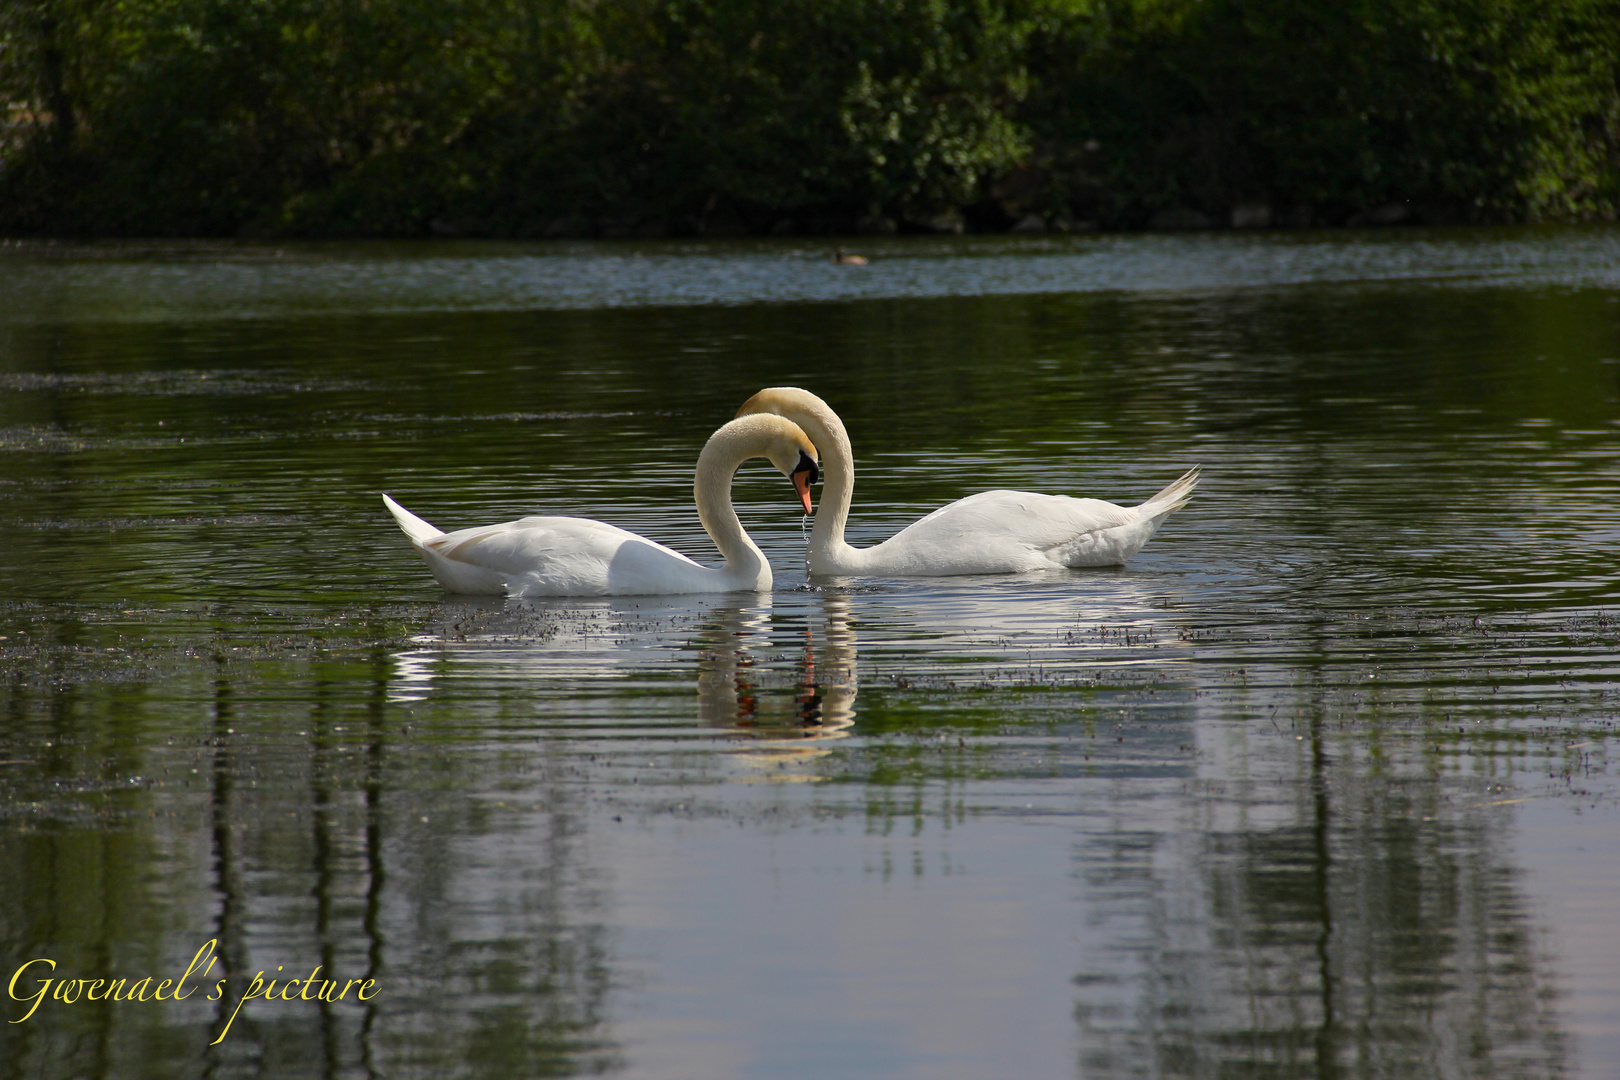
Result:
[
  {"x": 991, "y": 532},
  {"x": 555, "y": 556},
  {"x": 569, "y": 556}
]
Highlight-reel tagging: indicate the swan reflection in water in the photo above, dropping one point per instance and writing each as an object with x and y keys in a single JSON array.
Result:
[
  {"x": 779, "y": 689},
  {"x": 783, "y": 716}
]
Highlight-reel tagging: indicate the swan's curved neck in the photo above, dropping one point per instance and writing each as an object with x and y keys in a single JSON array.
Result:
[
  {"x": 837, "y": 470},
  {"x": 721, "y": 457}
]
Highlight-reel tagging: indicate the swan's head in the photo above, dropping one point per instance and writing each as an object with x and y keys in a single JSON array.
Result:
[
  {"x": 780, "y": 441},
  {"x": 795, "y": 457}
]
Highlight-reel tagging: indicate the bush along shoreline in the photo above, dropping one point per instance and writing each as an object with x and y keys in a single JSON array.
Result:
[{"x": 574, "y": 118}]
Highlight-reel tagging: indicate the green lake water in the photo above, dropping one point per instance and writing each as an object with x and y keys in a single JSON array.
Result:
[{"x": 1325, "y": 783}]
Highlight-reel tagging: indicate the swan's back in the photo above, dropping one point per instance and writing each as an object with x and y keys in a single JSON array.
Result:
[
  {"x": 557, "y": 556},
  {"x": 1015, "y": 531},
  {"x": 993, "y": 532}
]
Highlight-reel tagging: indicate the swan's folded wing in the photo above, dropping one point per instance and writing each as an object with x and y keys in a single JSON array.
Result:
[
  {"x": 1040, "y": 521},
  {"x": 557, "y": 556},
  {"x": 1002, "y": 531}
]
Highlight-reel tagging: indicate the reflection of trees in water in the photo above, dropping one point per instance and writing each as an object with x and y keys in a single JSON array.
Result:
[
  {"x": 495, "y": 971},
  {"x": 786, "y": 713},
  {"x": 1376, "y": 932},
  {"x": 312, "y": 834}
]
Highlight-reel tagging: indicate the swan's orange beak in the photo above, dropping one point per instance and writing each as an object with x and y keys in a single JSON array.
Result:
[{"x": 801, "y": 484}]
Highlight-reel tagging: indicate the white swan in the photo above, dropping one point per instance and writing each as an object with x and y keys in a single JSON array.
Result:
[
  {"x": 989, "y": 533},
  {"x": 569, "y": 556}
]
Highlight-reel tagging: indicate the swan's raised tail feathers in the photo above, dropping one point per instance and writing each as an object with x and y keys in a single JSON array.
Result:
[
  {"x": 1174, "y": 496},
  {"x": 414, "y": 527}
]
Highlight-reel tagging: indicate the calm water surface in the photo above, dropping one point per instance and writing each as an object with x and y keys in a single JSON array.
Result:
[{"x": 1326, "y": 783}]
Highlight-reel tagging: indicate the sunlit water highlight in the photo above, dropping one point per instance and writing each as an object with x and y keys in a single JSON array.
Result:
[{"x": 149, "y": 283}]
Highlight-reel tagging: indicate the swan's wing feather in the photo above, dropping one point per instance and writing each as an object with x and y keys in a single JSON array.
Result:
[
  {"x": 562, "y": 556},
  {"x": 517, "y": 546},
  {"x": 1025, "y": 518},
  {"x": 995, "y": 532},
  {"x": 413, "y": 526}
]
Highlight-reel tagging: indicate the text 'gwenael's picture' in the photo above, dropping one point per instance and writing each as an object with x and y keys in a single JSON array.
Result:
[{"x": 867, "y": 539}]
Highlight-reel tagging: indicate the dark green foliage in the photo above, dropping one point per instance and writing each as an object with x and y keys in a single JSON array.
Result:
[
  {"x": 1456, "y": 108},
  {"x": 705, "y": 115},
  {"x": 522, "y": 117}
]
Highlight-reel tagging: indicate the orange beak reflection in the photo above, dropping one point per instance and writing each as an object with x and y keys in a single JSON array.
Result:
[{"x": 801, "y": 484}]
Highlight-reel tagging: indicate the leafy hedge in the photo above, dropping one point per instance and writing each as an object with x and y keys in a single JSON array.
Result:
[{"x": 533, "y": 117}]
